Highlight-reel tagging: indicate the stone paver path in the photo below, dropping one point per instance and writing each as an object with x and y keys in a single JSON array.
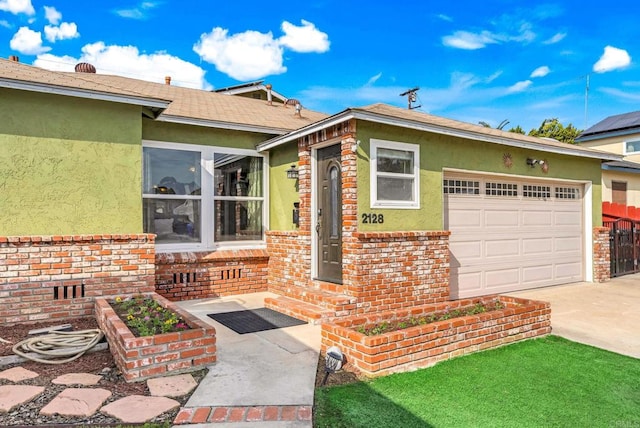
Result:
[
  {"x": 85, "y": 379},
  {"x": 171, "y": 386},
  {"x": 77, "y": 402},
  {"x": 17, "y": 374},
  {"x": 14, "y": 395},
  {"x": 138, "y": 408}
]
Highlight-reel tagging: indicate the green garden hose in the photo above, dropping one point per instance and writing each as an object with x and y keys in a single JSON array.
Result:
[{"x": 58, "y": 344}]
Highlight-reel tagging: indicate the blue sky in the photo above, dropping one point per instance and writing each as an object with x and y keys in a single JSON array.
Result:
[{"x": 473, "y": 61}]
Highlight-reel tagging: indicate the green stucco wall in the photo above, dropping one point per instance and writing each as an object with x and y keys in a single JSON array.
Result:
[
  {"x": 200, "y": 135},
  {"x": 68, "y": 165},
  {"x": 283, "y": 192},
  {"x": 440, "y": 151}
]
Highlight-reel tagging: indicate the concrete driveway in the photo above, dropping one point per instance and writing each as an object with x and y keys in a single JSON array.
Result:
[{"x": 605, "y": 315}]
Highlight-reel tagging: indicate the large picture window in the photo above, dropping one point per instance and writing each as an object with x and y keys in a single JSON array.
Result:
[
  {"x": 395, "y": 175},
  {"x": 202, "y": 197}
]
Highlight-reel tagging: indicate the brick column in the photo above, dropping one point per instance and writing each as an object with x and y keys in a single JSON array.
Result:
[{"x": 601, "y": 254}]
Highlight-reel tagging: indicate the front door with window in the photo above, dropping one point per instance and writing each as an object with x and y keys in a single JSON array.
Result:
[{"x": 329, "y": 215}]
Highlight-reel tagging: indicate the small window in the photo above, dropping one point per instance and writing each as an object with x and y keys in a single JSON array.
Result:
[
  {"x": 619, "y": 192},
  {"x": 631, "y": 147},
  {"x": 567, "y": 193},
  {"x": 460, "y": 187},
  {"x": 501, "y": 189},
  {"x": 533, "y": 191},
  {"x": 395, "y": 175}
]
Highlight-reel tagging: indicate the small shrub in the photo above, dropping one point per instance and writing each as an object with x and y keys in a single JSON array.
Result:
[
  {"x": 388, "y": 326},
  {"x": 146, "y": 317}
]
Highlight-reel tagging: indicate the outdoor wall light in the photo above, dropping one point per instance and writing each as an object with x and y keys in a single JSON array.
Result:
[
  {"x": 292, "y": 173},
  {"x": 332, "y": 362},
  {"x": 533, "y": 162}
]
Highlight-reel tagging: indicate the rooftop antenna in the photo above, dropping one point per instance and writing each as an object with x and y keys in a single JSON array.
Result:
[
  {"x": 411, "y": 97},
  {"x": 586, "y": 102}
]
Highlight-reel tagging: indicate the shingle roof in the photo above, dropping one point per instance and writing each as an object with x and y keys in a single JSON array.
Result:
[
  {"x": 383, "y": 113},
  {"x": 619, "y": 122},
  {"x": 185, "y": 105}
]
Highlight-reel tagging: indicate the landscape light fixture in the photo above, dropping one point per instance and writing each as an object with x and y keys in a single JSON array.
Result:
[
  {"x": 293, "y": 173},
  {"x": 332, "y": 362}
]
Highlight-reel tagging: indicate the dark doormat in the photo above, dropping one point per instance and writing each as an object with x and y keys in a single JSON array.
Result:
[{"x": 251, "y": 321}]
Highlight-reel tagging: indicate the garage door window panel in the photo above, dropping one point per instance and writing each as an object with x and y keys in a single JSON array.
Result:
[{"x": 501, "y": 189}]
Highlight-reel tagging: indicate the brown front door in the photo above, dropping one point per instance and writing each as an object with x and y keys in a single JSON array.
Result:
[{"x": 329, "y": 216}]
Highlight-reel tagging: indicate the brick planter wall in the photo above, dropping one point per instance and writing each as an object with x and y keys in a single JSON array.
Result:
[
  {"x": 140, "y": 358},
  {"x": 393, "y": 270},
  {"x": 185, "y": 276},
  {"x": 425, "y": 345},
  {"x": 601, "y": 254},
  {"x": 57, "y": 277}
]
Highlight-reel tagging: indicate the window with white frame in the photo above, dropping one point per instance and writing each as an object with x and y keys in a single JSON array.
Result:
[
  {"x": 395, "y": 174},
  {"x": 201, "y": 196},
  {"x": 631, "y": 147}
]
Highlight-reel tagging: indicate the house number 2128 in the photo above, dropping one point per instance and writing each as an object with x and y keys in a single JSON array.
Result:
[{"x": 372, "y": 218}]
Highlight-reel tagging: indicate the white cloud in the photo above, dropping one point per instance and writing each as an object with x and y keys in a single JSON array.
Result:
[
  {"x": 519, "y": 86},
  {"x": 66, "y": 30},
  {"x": 623, "y": 95},
  {"x": 612, "y": 59},
  {"x": 374, "y": 79},
  {"x": 52, "y": 15},
  {"x": 28, "y": 42},
  {"x": 445, "y": 17},
  {"x": 5, "y": 24},
  {"x": 243, "y": 56},
  {"x": 540, "y": 71},
  {"x": 306, "y": 38},
  {"x": 469, "y": 41},
  {"x": 17, "y": 6},
  {"x": 129, "y": 62},
  {"x": 138, "y": 12},
  {"x": 555, "y": 39}
]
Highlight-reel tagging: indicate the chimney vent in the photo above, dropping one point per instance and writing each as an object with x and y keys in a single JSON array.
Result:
[
  {"x": 269, "y": 96},
  {"x": 167, "y": 80},
  {"x": 14, "y": 58},
  {"x": 85, "y": 67}
]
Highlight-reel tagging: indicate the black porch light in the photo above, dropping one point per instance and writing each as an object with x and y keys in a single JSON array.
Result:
[{"x": 292, "y": 173}]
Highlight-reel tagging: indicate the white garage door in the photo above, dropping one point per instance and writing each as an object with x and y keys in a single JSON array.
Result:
[{"x": 512, "y": 234}]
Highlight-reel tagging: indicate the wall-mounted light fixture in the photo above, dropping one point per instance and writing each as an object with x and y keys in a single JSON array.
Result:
[{"x": 293, "y": 173}]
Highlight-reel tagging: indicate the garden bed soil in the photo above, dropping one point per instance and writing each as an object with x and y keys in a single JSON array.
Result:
[{"x": 100, "y": 363}]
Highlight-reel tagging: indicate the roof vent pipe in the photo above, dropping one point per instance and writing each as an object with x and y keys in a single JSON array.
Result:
[
  {"x": 167, "y": 80},
  {"x": 269, "y": 97},
  {"x": 14, "y": 58}
]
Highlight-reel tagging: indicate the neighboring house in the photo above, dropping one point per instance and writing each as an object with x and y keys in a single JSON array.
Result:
[
  {"x": 618, "y": 134},
  {"x": 114, "y": 185},
  {"x": 257, "y": 90}
]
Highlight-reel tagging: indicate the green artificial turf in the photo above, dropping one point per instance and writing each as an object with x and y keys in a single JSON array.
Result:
[{"x": 546, "y": 382}]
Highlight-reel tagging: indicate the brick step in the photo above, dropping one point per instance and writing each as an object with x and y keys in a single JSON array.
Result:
[
  {"x": 313, "y": 314},
  {"x": 328, "y": 286},
  {"x": 325, "y": 299}
]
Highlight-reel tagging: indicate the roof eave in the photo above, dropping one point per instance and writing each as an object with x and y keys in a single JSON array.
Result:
[
  {"x": 607, "y": 134},
  {"x": 153, "y": 103},
  {"x": 221, "y": 125},
  {"x": 421, "y": 126}
]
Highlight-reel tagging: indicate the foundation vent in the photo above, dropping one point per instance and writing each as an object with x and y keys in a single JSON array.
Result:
[
  {"x": 231, "y": 273},
  {"x": 68, "y": 292},
  {"x": 184, "y": 277}
]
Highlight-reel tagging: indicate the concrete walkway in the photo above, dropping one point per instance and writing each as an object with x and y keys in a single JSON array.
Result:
[
  {"x": 264, "y": 379},
  {"x": 605, "y": 315}
]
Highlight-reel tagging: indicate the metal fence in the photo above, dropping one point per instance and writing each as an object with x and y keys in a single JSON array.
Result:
[{"x": 624, "y": 240}]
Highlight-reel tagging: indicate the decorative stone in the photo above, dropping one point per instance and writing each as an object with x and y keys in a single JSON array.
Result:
[
  {"x": 77, "y": 379},
  {"x": 136, "y": 409},
  {"x": 17, "y": 374},
  {"x": 14, "y": 395},
  {"x": 171, "y": 386},
  {"x": 77, "y": 402}
]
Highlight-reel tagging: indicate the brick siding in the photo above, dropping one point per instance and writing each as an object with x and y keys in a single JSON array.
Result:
[
  {"x": 197, "y": 275},
  {"x": 140, "y": 358},
  {"x": 57, "y": 277},
  {"x": 601, "y": 254}
]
